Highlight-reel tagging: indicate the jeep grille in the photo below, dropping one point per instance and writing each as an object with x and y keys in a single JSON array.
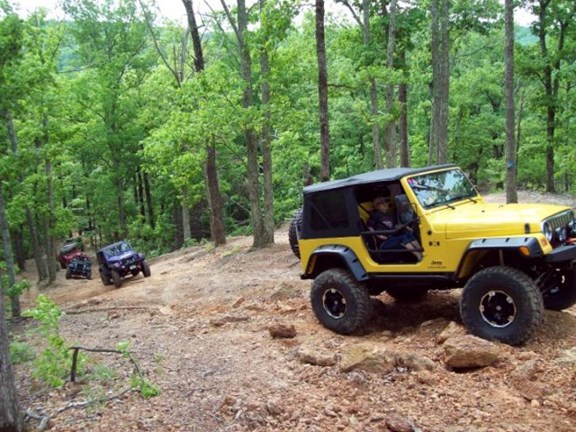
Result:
[{"x": 560, "y": 227}]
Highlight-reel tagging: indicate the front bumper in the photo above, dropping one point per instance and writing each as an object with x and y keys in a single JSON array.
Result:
[{"x": 566, "y": 253}]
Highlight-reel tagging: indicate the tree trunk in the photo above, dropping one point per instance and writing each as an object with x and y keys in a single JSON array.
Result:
[
  {"x": 404, "y": 144},
  {"x": 322, "y": 93},
  {"x": 41, "y": 267},
  {"x": 390, "y": 127},
  {"x": 186, "y": 222},
  {"x": 178, "y": 214},
  {"x": 10, "y": 419},
  {"x": 550, "y": 103},
  {"x": 249, "y": 133},
  {"x": 511, "y": 193},
  {"x": 49, "y": 224},
  {"x": 17, "y": 236},
  {"x": 49, "y": 221},
  {"x": 268, "y": 190},
  {"x": 217, "y": 227},
  {"x": 375, "y": 128},
  {"x": 40, "y": 264},
  {"x": 9, "y": 260},
  {"x": 148, "y": 197},
  {"x": 139, "y": 192},
  {"x": 440, "y": 82}
]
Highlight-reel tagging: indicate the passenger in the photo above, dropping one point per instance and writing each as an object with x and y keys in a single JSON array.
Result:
[{"x": 382, "y": 219}]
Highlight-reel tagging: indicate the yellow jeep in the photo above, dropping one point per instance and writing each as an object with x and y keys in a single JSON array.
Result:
[{"x": 512, "y": 260}]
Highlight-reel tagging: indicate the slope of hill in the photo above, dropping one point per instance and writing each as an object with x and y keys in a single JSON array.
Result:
[{"x": 201, "y": 328}]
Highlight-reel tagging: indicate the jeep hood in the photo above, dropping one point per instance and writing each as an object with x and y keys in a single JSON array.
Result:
[
  {"x": 123, "y": 257},
  {"x": 491, "y": 220}
]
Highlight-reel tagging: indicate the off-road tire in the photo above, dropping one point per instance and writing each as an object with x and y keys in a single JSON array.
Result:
[
  {"x": 146, "y": 269},
  {"x": 561, "y": 291},
  {"x": 340, "y": 302},
  {"x": 89, "y": 275},
  {"x": 295, "y": 225},
  {"x": 116, "y": 279},
  {"x": 502, "y": 304},
  {"x": 407, "y": 295},
  {"x": 105, "y": 279},
  {"x": 68, "y": 273}
]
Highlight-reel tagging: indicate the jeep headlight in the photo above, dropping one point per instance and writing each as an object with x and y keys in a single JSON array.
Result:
[
  {"x": 561, "y": 234},
  {"x": 572, "y": 228},
  {"x": 547, "y": 231}
]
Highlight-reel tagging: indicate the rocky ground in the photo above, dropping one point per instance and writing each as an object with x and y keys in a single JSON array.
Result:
[{"x": 228, "y": 337}]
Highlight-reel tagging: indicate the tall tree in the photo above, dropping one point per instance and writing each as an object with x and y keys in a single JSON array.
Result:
[
  {"x": 112, "y": 42},
  {"x": 10, "y": 419},
  {"x": 511, "y": 194},
  {"x": 266, "y": 134},
  {"x": 322, "y": 93},
  {"x": 391, "y": 126},
  {"x": 438, "y": 145},
  {"x": 217, "y": 229},
  {"x": 41, "y": 267},
  {"x": 365, "y": 25},
  {"x": 555, "y": 20},
  {"x": 240, "y": 27}
]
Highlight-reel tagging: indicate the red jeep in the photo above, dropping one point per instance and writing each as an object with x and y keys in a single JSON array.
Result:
[{"x": 68, "y": 252}]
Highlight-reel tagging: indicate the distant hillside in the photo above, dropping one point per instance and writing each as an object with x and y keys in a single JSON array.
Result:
[{"x": 524, "y": 36}]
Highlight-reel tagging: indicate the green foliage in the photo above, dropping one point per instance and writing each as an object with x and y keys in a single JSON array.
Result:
[
  {"x": 53, "y": 364},
  {"x": 96, "y": 106},
  {"x": 137, "y": 381},
  {"x": 18, "y": 288},
  {"x": 144, "y": 386},
  {"x": 21, "y": 352}
]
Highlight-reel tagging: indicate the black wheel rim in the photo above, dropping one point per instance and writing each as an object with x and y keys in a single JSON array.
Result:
[
  {"x": 497, "y": 309},
  {"x": 334, "y": 303}
]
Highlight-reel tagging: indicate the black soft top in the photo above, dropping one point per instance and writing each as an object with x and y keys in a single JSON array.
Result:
[{"x": 389, "y": 174}]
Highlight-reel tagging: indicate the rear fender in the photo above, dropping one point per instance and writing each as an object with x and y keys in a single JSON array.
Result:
[{"x": 330, "y": 256}]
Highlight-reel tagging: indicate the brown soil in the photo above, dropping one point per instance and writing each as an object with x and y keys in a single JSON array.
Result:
[{"x": 200, "y": 329}]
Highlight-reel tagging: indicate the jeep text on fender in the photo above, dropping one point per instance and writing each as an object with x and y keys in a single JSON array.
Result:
[{"x": 513, "y": 260}]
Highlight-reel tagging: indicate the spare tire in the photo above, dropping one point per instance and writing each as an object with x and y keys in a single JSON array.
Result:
[{"x": 295, "y": 226}]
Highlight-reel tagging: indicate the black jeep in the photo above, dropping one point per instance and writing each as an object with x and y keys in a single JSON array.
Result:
[{"x": 119, "y": 260}]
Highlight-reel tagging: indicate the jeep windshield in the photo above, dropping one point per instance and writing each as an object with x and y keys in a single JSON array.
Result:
[{"x": 442, "y": 188}]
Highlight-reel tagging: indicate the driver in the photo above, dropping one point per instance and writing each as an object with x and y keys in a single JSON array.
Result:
[{"x": 382, "y": 219}]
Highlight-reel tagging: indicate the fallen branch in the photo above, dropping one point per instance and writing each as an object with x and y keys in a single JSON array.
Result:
[
  {"x": 108, "y": 309},
  {"x": 90, "y": 402},
  {"x": 114, "y": 351},
  {"x": 44, "y": 419}
]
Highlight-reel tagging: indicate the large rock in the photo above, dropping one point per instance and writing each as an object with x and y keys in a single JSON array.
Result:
[
  {"x": 316, "y": 357},
  {"x": 451, "y": 330},
  {"x": 375, "y": 359},
  {"x": 469, "y": 352}
]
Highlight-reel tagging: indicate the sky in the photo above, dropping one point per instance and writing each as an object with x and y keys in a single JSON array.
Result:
[{"x": 174, "y": 9}]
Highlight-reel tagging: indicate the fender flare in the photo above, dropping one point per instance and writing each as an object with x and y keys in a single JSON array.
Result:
[
  {"x": 501, "y": 243},
  {"x": 507, "y": 243},
  {"x": 346, "y": 254}
]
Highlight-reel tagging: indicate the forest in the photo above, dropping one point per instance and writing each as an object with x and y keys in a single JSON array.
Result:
[{"x": 117, "y": 124}]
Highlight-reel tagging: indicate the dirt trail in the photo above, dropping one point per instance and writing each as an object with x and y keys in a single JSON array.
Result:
[{"x": 200, "y": 327}]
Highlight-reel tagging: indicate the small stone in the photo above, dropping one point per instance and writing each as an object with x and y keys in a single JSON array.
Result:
[{"x": 282, "y": 331}]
